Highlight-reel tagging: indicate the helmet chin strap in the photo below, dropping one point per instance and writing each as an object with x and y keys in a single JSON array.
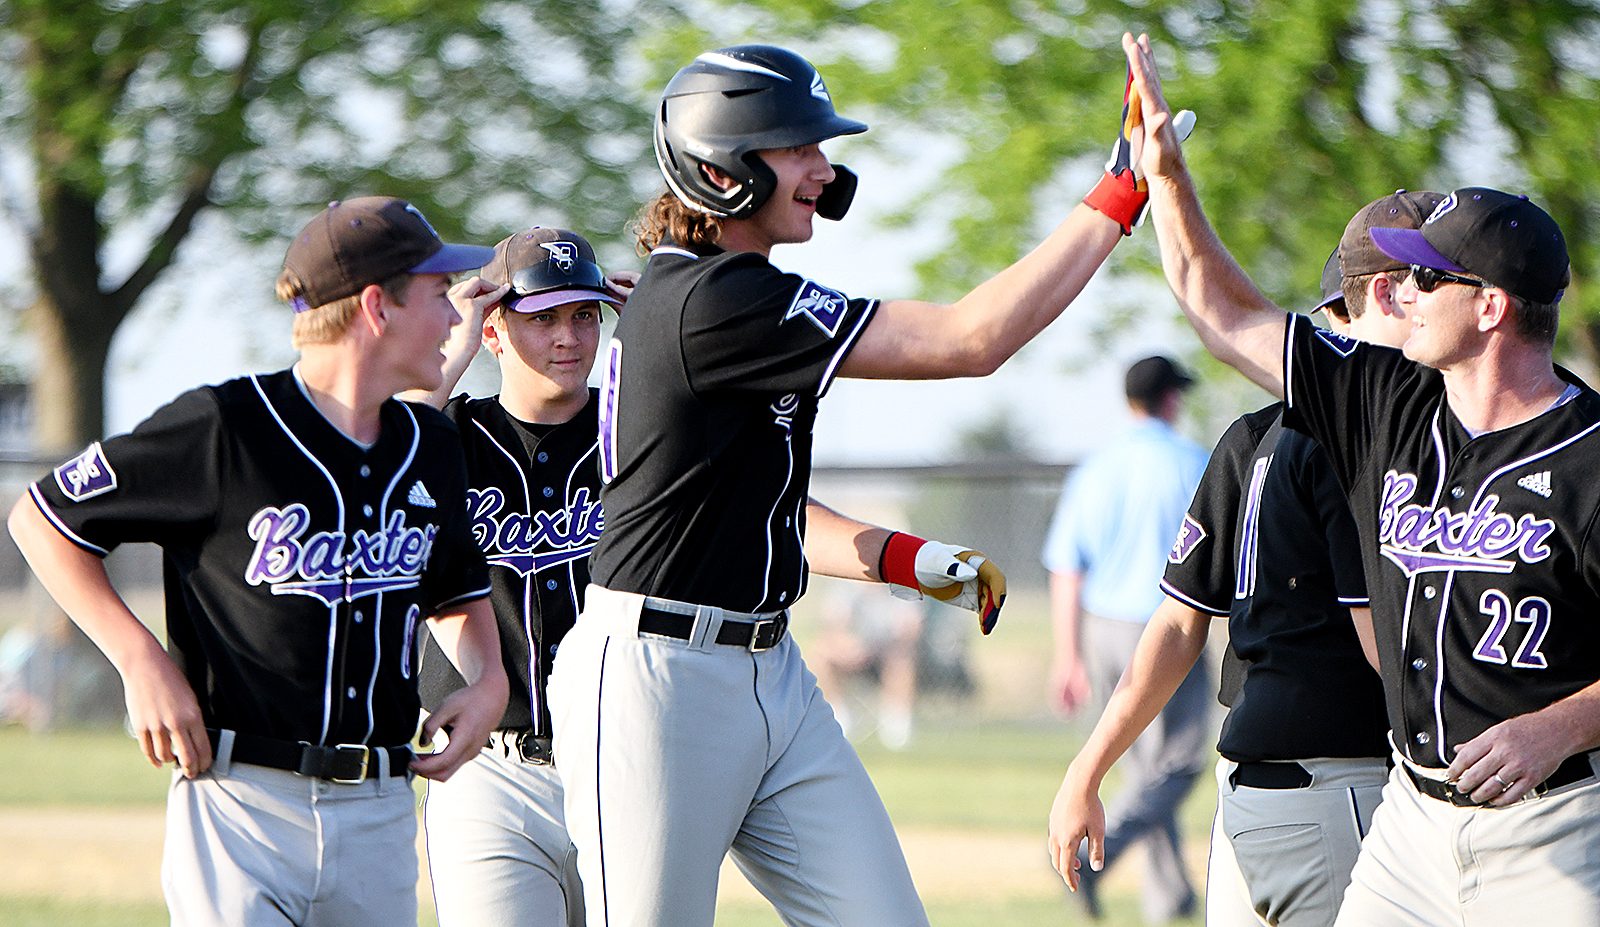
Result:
[{"x": 834, "y": 201}]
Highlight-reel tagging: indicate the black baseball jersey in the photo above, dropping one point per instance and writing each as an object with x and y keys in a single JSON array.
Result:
[
  {"x": 297, "y": 564},
  {"x": 710, "y": 392},
  {"x": 533, "y": 498},
  {"x": 1270, "y": 542},
  {"x": 1485, "y": 586}
]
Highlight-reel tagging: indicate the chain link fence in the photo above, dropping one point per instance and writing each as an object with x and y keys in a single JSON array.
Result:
[{"x": 51, "y": 675}]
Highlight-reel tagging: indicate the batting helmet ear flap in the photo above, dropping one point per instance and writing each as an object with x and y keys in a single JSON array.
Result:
[{"x": 837, "y": 193}]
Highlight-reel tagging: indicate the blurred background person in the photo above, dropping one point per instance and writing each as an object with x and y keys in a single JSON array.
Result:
[{"x": 1106, "y": 549}]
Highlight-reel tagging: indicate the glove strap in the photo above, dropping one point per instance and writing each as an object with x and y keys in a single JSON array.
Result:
[
  {"x": 898, "y": 561},
  {"x": 1120, "y": 198}
]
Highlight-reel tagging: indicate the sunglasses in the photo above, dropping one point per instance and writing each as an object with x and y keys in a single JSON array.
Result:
[
  {"x": 1429, "y": 279},
  {"x": 563, "y": 272}
]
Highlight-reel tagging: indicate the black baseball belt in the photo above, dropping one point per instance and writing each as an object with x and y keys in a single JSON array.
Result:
[
  {"x": 346, "y": 764},
  {"x": 755, "y": 636},
  {"x": 1271, "y": 774},
  {"x": 1574, "y": 768}
]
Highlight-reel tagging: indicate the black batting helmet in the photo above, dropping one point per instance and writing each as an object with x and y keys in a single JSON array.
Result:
[{"x": 730, "y": 103}]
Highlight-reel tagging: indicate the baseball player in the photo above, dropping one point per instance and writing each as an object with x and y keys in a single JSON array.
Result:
[
  {"x": 1466, "y": 458},
  {"x": 498, "y": 851},
  {"x": 686, "y": 723},
  {"x": 533, "y": 498},
  {"x": 309, "y": 523},
  {"x": 1270, "y": 544}
]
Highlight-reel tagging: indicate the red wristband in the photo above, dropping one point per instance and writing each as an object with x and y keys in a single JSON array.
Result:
[
  {"x": 1120, "y": 198},
  {"x": 898, "y": 562}
]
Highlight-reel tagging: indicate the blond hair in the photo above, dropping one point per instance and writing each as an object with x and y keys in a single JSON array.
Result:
[{"x": 328, "y": 323}]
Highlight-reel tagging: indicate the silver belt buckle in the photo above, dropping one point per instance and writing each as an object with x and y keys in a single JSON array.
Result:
[
  {"x": 366, "y": 757},
  {"x": 762, "y": 627}
]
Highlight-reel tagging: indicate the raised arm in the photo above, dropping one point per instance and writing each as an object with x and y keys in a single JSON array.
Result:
[
  {"x": 1236, "y": 323},
  {"x": 163, "y": 713},
  {"x": 1169, "y": 647},
  {"x": 913, "y": 340}
]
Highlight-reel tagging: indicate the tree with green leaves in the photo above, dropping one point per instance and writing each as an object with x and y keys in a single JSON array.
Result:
[
  {"x": 1308, "y": 109},
  {"x": 139, "y": 115}
]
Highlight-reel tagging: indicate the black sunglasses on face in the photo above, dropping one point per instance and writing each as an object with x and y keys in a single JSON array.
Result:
[
  {"x": 1429, "y": 279},
  {"x": 565, "y": 273}
]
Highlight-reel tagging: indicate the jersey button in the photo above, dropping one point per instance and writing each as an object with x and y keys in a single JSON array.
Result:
[
  {"x": 551, "y": 584},
  {"x": 1428, "y": 592},
  {"x": 359, "y": 616},
  {"x": 548, "y": 492},
  {"x": 351, "y": 692},
  {"x": 366, "y": 470},
  {"x": 1423, "y": 738},
  {"x": 543, "y": 457},
  {"x": 366, "y": 510},
  {"x": 1419, "y": 664},
  {"x": 1457, "y": 492}
]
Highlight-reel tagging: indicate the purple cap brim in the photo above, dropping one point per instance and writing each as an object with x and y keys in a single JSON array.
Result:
[
  {"x": 453, "y": 259},
  {"x": 1408, "y": 245},
  {"x": 541, "y": 301}
]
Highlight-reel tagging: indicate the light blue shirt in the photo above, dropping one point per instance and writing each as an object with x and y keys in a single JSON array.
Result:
[{"x": 1119, "y": 513}]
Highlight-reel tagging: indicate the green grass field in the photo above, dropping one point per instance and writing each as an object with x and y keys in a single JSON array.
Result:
[{"x": 991, "y": 781}]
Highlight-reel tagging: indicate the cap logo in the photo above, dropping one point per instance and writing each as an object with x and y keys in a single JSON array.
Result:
[
  {"x": 824, "y": 307},
  {"x": 563, "y": 254},
  {"x": 424, "y": 219},
  {"x": 1445, "y": 205},
  {"x": 818, "y": 90}
]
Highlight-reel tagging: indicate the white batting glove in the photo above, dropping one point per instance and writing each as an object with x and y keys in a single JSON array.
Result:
[{"x": 958, "y": 576}]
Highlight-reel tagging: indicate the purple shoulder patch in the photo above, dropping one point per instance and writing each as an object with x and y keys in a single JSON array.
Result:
[
  {"x": 1341, "y": 345},
  {"x": 1190, "y": 534},
  {"x": 87, "y": 475},
  {"x": 824, "y": 307}
]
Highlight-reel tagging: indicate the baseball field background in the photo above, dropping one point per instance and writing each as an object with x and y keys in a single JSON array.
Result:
[{"x": 81, "y": 812}]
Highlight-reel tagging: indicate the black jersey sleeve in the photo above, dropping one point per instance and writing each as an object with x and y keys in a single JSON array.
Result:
[
  {"x": 456, "y": 571},
  {"x": 1200, "y": 566},
  {"x": 159, "y": 483},
  {"x": 1339, "y": 390},
  {"x": 753, "y": 327}
]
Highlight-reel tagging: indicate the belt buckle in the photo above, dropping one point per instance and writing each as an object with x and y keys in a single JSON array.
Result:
[
  {"x": 366, "y": 756},
  {"x": 533, "y": 750},
  {"x": 761, "y": 639}
]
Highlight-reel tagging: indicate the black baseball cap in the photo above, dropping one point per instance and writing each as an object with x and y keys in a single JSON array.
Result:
[
  {"x": 1153, "y": 376},
  {"x": 546, "y": 268},
  {"x": 1332, "y": 287},
  {"x": 1500, "y": 237},
  {"x": 356, "y": 243}
]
